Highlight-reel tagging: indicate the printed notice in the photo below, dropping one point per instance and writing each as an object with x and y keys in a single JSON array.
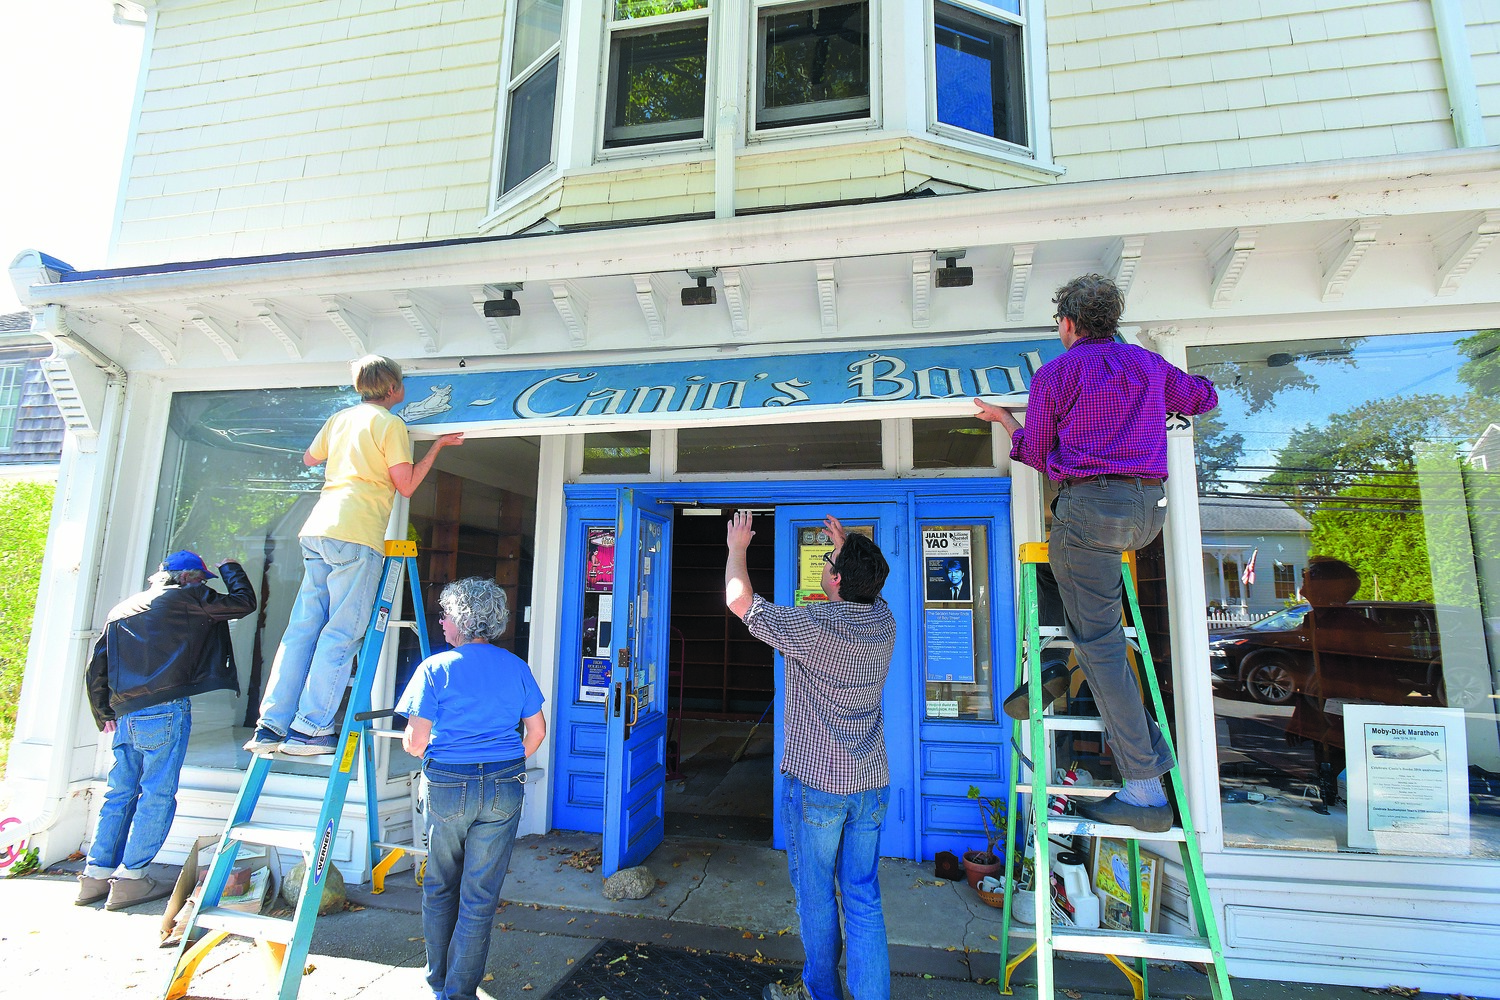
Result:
[
  {"x": 593, "y": 680},
  {"x": 1408, "y": 779},
  {"x": 950, "y": 645}
]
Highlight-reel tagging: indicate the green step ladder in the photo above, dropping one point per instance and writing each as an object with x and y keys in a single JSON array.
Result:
[
  {"x": 285, "y": 941},
  {"x": 1032, "y": 640}
]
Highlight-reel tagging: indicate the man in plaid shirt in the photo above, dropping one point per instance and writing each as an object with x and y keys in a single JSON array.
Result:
[{"x": 837, "y": 783}]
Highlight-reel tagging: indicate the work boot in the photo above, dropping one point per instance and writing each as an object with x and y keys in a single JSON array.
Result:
[
  {"x": 127, "y": 892},
  {"x": 91, "y": 890}
]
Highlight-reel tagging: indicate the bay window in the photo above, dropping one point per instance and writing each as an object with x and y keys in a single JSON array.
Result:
[
  {"x": 658, "y": 71},
  {"x": 813, "y": 65}
]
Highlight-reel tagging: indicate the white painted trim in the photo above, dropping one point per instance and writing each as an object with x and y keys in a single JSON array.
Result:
[
  {"x": 546, "y": 621},
  {"x": 133, "y": 136},
  {"x": 1458, "y": 71}
]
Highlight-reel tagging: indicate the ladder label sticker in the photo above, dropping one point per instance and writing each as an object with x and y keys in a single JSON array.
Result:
[
  {"x": 392, "y": 584},
  {"x": 382, "y": 618},
  {"x": 323, "y": 848},
  {"x": 350, "y": 745}
]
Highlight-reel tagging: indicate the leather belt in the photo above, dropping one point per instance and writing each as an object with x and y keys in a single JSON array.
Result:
[{"x": 1139, "y": 480}]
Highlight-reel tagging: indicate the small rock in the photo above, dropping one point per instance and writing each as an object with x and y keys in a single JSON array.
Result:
[
  {"x": 334, "y": 896},
  {"x": 630, "y": 883}
]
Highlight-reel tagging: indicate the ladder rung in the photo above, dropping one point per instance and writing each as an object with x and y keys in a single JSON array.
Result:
[
  {"x": 289, "y": 837},
  {"x": 250, "y": 925},
  {"x": 1058, "y": 632},
  {"x": 1077, "y": 791},
  {"x": 389, "y": 734},
  {"x": 1070, "y": 825},
  {"x": 1074, "y": 723},
  {"x": 408, "y": 848},
  {"x": 1131, "y": 944},
  {"x": 400, "y": 623}
]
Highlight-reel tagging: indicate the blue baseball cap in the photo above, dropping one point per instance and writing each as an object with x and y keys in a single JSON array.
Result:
[{"x": 179, "y": 561}]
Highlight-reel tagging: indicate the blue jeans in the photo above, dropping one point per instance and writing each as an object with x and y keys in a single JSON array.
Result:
[
  {"x": 328, "y": 622},
  {"x": 1093, "y": 524},
  {"x": 473, "y": 811},
  {"x": 150, "y": 746},
  {"x": 838, "y": 835}
]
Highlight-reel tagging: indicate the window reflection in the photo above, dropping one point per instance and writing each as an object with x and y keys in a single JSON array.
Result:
[{"x": 1351, "y": 529}]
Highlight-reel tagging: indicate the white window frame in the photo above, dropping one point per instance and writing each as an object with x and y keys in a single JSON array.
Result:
[
  {"x": 12, "y": 383},
  {"x": 754, "y": 105},
  {"x": 510, "y": 82},
  {"x": 1032, "y": 56},
  {"x": 607, "y": 132}
]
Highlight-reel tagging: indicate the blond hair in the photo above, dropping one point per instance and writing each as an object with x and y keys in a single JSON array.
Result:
[{"x": 374, "y": 377}]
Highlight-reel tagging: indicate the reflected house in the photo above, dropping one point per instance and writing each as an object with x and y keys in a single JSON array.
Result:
[
  {"x": 689, "y": 257},
  {"x": 1234, "y": 527},
  {"x": 31, "y": 426}
]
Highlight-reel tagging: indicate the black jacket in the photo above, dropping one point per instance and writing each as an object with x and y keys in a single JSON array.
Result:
[{"x": 165, "y": 643}]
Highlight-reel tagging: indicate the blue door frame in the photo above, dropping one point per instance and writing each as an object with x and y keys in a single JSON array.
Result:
[{"x": 933, "y": 760}]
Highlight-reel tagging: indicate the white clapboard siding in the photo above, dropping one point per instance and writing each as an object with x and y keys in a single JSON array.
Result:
[
  {"x": 266, "y": 127},
  {"x": 1142, "y": 87}
]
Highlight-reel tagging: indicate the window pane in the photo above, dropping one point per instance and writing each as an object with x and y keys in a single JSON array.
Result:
[
  {"x": 958, "y": 443},
  {"x": 817, "y": 65},
  {"x": 657, "y": 84},
  {"x": 956, "y": 643},
  {"x": 626, "y": 10},
  {"x": 980, "y": 85},
  {"x": 617, "y": 452},
  {"x": 11, "y": 379},
  {"x": 538, "y": 27},
  {"x": 777, "y": 448},
  {"x": 528, "y": 135},
  {"x": 1358, "y": 463}
]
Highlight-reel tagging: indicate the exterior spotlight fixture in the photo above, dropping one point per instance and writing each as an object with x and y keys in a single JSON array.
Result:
[
  {"x": 951, "y": 276},
  {"x": 506, "y": 307},
  {"x": 702, "y": 294}
]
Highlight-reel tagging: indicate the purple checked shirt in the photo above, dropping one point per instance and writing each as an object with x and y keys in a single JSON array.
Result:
[{"x": 1100, "y": 408}]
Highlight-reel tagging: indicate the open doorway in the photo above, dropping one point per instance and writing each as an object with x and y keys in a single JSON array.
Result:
[{"x": 720, "y": 738}]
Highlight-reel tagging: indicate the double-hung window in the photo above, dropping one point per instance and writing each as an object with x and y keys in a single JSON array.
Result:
[
  {"x": 979, "y": 68},
  {"x": 813, "y": 63},
  {"x": 531, "y": 90},
  {"x": 12, "y": 377},
  {"x": 658, "y": 71}
]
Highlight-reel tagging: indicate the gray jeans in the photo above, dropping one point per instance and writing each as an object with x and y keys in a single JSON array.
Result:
[{"x": 1093, "y": 524}]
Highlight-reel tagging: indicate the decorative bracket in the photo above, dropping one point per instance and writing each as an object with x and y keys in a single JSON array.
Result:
[
  {"x": 350, "y": 320},
  {"x": 1459, "y": 247},
  {"x": 1228, "y": 258},
  {"x": 1020, "y": 278},
  {"x": 1121, "y": 261},
  {"x": 420, "y": 315},
  {"x": 1341, "y": 254},
  {"x": 217, "y": 330},
  {"x": 502, "y": 328},
  {"x": 828, "y": 297},
  {"x": 273, "y": 321},
  {"x": 921, "y": 290},
  {"x": 649, "y": 297},
  {"x": 573, "y": 306},
  {"x": 153, "y": 333},
  {"x": 737, "y": 298}
]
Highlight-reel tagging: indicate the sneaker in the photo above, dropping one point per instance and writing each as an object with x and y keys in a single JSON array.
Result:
[
  {"x": 776, "y": 991},
  {"x": 91, "y": 890},
  {"x": 297, "y": 745},
  {"x": 126, "y": 892},
  {"x": 264, "y": 741}
]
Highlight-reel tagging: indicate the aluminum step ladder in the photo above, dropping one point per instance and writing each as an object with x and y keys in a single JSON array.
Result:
[
  {"x": 1118, "y": 946},
  {"x": 286, "y": 941}
]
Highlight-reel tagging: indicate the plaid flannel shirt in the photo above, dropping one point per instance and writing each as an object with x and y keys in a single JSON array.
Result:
[{"x": 837, "y": 657}]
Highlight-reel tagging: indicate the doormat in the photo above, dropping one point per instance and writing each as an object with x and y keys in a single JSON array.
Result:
[{"x": 622, "y": 971}]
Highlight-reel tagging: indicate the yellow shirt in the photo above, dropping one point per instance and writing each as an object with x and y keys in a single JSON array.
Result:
[{"x": 359, "y": 444}]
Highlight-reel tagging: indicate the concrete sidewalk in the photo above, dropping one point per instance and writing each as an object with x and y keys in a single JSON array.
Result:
[{"x": 714, "y": 896}]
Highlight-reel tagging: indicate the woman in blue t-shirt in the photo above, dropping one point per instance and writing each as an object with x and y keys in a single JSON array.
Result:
[{"x": 464, "y": 707}]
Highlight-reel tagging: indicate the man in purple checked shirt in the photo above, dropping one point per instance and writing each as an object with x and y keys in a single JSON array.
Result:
[{"x": 1096, "y": 425}]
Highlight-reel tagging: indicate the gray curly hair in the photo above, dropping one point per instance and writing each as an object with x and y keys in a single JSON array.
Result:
[{"x": 476, "y": 607}]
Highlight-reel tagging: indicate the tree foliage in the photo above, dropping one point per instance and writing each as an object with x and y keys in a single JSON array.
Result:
[
  {"x": 25, "y": 510},
  {"x": 1481, "y": 372}
]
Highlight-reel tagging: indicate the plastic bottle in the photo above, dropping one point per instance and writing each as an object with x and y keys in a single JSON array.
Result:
[{"x": 1075, "y": 878}]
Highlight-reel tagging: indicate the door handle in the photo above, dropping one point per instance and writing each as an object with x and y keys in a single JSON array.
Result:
[
  {"x": 617, "y": 700},
  {"x": 635, "y": 710}
]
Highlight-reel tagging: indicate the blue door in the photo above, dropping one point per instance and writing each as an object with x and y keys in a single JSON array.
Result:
[
  {"x": 800, "y": 544},
  {"x": 636, "y": 705}
]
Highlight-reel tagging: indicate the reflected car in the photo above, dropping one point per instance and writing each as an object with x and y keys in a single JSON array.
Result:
[{"x": 1372, "y": 651}]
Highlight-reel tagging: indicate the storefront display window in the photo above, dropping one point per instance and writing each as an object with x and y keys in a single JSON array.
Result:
[
  {"x": 788, "y": 447},
  {"x": 956, "y": 622},
  {"x": 617, "y": 453},
  {"x": 951, "y": 443},
  {"x": 1356, "y": 707}
]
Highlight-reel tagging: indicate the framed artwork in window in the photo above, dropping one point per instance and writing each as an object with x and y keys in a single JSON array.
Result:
[{"x": 1110, "y": 868}]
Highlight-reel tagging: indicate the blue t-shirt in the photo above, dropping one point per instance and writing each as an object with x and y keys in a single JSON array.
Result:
[{"x": 475, "y": 696}]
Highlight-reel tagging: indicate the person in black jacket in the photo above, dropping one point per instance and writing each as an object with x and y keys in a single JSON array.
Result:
[{"x": 159, "y": 648}]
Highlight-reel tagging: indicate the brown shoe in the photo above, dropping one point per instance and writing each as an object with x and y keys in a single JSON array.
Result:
[
  {"x": 91, "y": 890},
  {"x": 125, "y": 892}
]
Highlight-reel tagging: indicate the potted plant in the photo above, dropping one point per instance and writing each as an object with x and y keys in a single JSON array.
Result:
[{"x": 978, "y": 864}]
